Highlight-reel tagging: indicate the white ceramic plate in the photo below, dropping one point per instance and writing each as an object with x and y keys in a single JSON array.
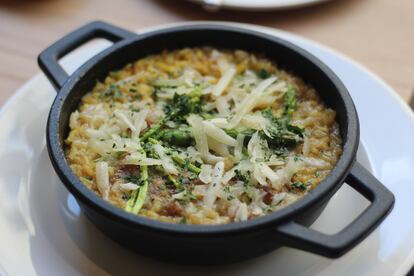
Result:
[
  {"x": 256, "y": 5},
  {"x": 43, "y": 232}
]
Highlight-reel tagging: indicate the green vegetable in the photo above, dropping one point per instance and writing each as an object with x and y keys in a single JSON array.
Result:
[
  {"x": 184, "y": 162},
  {"x": 150, "y": 132},
  {"x": 281, "y": 133},
  {"x": 176, "y": 110},
  {"x": 181, "y": 105},
  {"x": 297, "y": 158},
  {"x": 247, "y": 132},
  {"x": 134, "y": 204},
  {"x": 174, "y": 181},
  {"x": 187, "y": 196},
  {"x": 299, "y": 185},
  {"x": 263, "y": 74},
  {"x": 233, "y": 132},
  {"x": 289, "y": 102},
  {"x": 244, "y": 177},
  {"x": 178, "y": 137}
]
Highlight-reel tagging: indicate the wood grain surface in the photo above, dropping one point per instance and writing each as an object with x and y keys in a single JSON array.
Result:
[{"x": 377, "y": 33}]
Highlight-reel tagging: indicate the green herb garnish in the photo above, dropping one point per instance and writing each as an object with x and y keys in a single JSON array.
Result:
[
  {"x": 263, "y": 74},
  {"x": 177, "y": 158},
  {"x": 134, "y": 204},
  {"x": 244, "y": 177},
  {"x": 300, "y": 186},
  {"x": 289, "y": 101}
]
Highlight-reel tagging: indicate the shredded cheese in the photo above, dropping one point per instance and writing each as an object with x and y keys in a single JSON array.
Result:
[
  {"x": 284, "y": 175},
  {"x": 255, "y": 121},
  {"x": 127, "y": 187},
  {"x": 166, "y": 161},
  {"x": 102, "y": 179},
  {"x": 123, "y": 119},
  {"x": 242, "y": 212},
  {"x": 206, "y": 173},
  {"x": 217, "y": 147},
  {"x": 218, "y": 134},
  {"x": 139, "y": 123},
  {"x": 250, "y": 102},
  {"x": 222, "y": 106},
  {"x": 224, "y": 81},
  {"x": 238, "y": 150},
  {"x": 139, "y": 160},
  {"x": 215, "y": 185},
  {"x": 220, "y": 122},
  {"x": 200, "y": 137},
  {"x": 196, "y": 123}
]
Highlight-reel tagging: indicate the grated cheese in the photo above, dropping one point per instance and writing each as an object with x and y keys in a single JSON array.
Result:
[
  {"x": 166, "y": 161},
  {"x": 127, "y": 187},
  {"x": 218, "y": 134},
  {"x": 215, "y": 184},
  {"x": 224, "y": 81},
  {"x": 102, "y": 179},
  {"x": 250, "y": 102}
]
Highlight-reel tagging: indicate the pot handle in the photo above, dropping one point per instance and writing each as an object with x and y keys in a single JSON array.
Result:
[
  {"x": 382, "y": 200},
  {"x": 48, "y": 59}
]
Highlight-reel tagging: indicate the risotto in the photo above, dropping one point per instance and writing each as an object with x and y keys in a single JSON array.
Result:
[{"x": 202, "y": 136}]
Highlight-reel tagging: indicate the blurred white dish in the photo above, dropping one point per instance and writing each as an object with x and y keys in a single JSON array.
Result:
[
  {"x": 43, "y": 231},
  {"x": 256, "y": 5}
]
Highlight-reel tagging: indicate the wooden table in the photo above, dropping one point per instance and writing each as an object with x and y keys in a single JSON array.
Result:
[{"x": 377, "y": 33}]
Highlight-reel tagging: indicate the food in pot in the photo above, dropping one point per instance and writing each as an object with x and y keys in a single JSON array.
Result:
[{"x": 202, "y": 136}]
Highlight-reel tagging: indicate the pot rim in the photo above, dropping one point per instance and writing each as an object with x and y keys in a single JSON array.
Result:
[{"x": 86, "y": 196}]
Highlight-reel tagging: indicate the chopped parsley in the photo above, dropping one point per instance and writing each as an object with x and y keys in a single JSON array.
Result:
[
  {"x": 136, "y": 179},
  {"x": 289, "y": 103},
  {"x": 244, "y": 177},
  {"x": 300, "y": 185},
  {"x": 227, "y": 191},
  {"x": 181, "y": 106},
  {"x": 126, "y": 197},
  {"x": 187, "y": 196},
  {"x": 263, "y": 74},
  {"x": 281, "y": 133},
  {"x": 117, "y": 95},
  {"x": 297, "y": 158}
]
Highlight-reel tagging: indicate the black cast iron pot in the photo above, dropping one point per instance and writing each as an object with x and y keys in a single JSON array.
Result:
[{"x": 213, "y": 243}]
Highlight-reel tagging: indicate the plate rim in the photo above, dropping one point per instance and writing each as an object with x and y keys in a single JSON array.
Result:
[{"x": 231, "y": 5}]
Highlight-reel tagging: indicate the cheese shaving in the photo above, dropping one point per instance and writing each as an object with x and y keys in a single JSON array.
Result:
[
  {"x": 215, "y": 185},
  {"x": 166, "y": 161},
  {"x": 102, "y": 179},
  {"x": 249, "y": 102},
  {"x": 224, "y": 81},
  {"x": 218, "y": 134}
]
